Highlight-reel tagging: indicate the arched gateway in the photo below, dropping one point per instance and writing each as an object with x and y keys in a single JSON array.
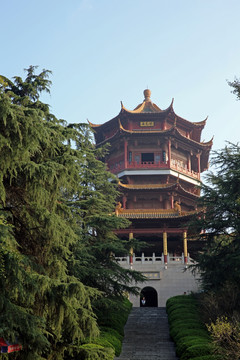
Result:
[
  {"x": 158, "y": 157},
  {"x": 148, "y": 297}
]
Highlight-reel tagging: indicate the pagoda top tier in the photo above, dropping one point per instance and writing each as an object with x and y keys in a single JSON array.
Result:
[
  {"x": 148, "y": 118},
  {"x": 147, "y": 106}
]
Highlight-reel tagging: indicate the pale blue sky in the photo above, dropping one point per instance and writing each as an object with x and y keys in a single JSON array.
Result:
[{"x": 105, "y": 51}]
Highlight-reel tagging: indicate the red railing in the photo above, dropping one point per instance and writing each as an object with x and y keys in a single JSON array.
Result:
[{"x": 116, "y": 168}]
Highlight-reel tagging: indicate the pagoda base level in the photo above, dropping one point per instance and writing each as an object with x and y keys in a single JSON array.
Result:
[
  {"x": 162, "y": 281},
  {"x": 151, "y": 231},
  {"x": 154, "y": 259}
]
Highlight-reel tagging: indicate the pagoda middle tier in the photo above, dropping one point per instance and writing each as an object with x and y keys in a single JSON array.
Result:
[{"x": 157, "y": 155}]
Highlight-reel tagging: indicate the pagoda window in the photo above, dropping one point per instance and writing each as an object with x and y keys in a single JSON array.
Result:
[
  {"x": 137, "y": 159},
  {"x": 130, "y": 157},
  {"x": 164, "y": 156},
  {"x": 157, "y": 159},
  {"x": 147, "y": 158}
]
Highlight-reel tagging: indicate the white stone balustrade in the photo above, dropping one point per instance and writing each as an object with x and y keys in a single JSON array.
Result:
[{"x": 152, "y": 259}]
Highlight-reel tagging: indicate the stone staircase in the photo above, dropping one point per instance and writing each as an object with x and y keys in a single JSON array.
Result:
[{"x": 147, "y": 336}]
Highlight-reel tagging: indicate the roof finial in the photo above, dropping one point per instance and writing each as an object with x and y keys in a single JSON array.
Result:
[{"x": 147, "y": 95}]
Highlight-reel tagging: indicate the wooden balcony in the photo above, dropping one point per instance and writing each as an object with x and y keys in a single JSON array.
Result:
[
  {"x": 154, "y": 259},
  {"x": 150, "y": 165},
  {"x": 151, "y": 213}
]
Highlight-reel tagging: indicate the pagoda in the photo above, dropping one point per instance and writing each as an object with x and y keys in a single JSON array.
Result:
[{"x": 158, "y": 157}]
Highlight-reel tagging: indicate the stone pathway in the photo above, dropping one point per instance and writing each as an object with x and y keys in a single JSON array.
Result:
[{"x": 147, "y": 336}]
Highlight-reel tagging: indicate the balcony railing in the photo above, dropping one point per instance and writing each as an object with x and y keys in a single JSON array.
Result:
[
  {"x": 153, "y": 259},
  {"x": 151, "y": 213},
  {"x": 116, "y": 168}
]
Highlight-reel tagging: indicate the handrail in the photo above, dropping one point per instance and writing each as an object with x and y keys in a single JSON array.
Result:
[
  {"x": 153, "y": 259},
  {"x": 154, "y": 165},
  {"x": 151, "y": 213}
]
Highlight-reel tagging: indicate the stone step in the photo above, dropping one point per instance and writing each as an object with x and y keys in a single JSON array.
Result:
[{"x": 146, "y": 336}]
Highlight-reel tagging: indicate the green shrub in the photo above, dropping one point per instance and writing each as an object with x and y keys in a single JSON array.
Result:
[
  {"x": 188, "y": 306},
  {"x": 187, "y": 329},
  {"x": 187, "y": 323},
  {"x": 197, "y": 350},
  {"x": 174, "y": 316},
  {"x": 181, "y": 299},
  {"x": 191, "y": 332},
  {"x": 225, "y": 334},
  {"x": 188, "y": 341},
  {"x": 112, "y": 337},
  {"x": 208, "y": 357},
  {"x": 114, "y": 314},
  {"x": 185, "y": 309},
  {"x": 95, "y": 352},
  {"x": 176, "y": 330}
]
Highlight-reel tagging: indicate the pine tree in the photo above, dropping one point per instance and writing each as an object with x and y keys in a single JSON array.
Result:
[
  {"x": 41, "y": 304},
  {"x": 57, "y": 221},
  {"x": 96, "y": 265},
  {"x": 220, "y": 262}
]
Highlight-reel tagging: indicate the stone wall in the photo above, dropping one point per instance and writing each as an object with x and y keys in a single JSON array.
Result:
[{"x": 168, "y": 282}]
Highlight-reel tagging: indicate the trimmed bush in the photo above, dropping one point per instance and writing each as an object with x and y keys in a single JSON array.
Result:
[
  {"x": 174, "y": 316},
  {"x": 191, "y": 332},
  {"x": 178, "y": 326},
  {"x": 208, "y": 357},
  {"x": 181, "y": 299},
  {"x": 111, "y": 320},
  {"x": 197, "y": 350},
  {"x": 189, "y": 341},
  {"x": 114, "y": 315},
  {"x": 187, "y": 330},
  {"x": 184, "y": 307},
  {"x": 113, "y": 338},
  {"x": 95, "y": 352}
]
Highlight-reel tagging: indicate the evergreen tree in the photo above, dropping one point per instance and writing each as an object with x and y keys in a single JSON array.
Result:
[
  {"x": 99, "y": 244},
  {"x": 220, "y": 221},
  {"x": 220, "y": 262},
  {"x": 41, "y": 305},
  {"x": 57, "y": 222}
]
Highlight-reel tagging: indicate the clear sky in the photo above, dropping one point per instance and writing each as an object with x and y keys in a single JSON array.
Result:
[{"x": 102, "y": 52}]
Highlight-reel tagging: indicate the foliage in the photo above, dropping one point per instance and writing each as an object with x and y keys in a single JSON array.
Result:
[
  {"x": 113, "y": 314},
  {"x": 236, "y": 87},
  {"x": 56, "y": 228},
  {"x": 187, "y": 330},
  {"x": 197, "y": 350},
  {"x": 225, "y": 334},
  {"x": 224, "y": 301},
  {"x": 112, "y": 319},
  {"x": 109, "y": 338},
  {"x": 219, "y": 263},
  {"x": 207, "y": 357},
  {"x": 93, "y": 352}
]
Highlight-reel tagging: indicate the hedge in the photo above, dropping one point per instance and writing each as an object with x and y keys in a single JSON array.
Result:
[
  {"x": 95, "y": 352},
  {"x": 189, "y": 341},
  {"x": 207, "y": 357},
  {"x": 111, "y": 320},
  {"x": 186, "y": 329},
  {"x": 197, "y": 350}
]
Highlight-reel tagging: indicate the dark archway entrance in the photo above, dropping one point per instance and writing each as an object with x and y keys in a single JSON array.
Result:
[{"x": 149, "y": 294}]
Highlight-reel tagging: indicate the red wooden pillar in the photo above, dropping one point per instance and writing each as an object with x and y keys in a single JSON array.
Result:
[
  {"x": 189, "y": 162},
  {"x": 185, "y": 250},
  {"x": 131, "y": 251},
  {"x": 125, "y": 153},
  {"x": 199, "y": 164},
  {"x": 124, "y": 200},
  {"x": 169, "y": 152},
  {"x": 165, "y": 252}
]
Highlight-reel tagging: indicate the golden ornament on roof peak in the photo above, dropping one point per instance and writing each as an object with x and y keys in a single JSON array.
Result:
[{"x": 147, "y": 95}]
